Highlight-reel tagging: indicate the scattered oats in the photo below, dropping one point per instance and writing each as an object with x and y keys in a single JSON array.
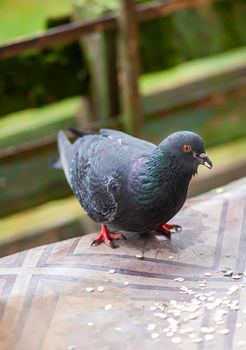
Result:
[
  {"x": 213, "y": 305},
  {"x": 198, "y": 295},
  {"x": 219, "y": 190},
  {"x": 139, "y": 256},
  {"x": 219, "y": 314},
  {"x": 208, "y": 274},
  {"x": 241, "y": 343},
  {"x": 225, "y": 301},
  {"x": 191, "y": 292},
  {"x": 173, "y": 302},
  {"x": 193, "y": 308},
  {"x": 118, "y": 329},
  {"x": 208, "y": 337},
  {"x": 111, "y": 271},
  {"x": 172, "y": 320},
  {"x": 100, "y": 289},
  {"x": 161, "y": 307},
  {"x": 244, "y": 310},
  {"x": 207, "y": 330},
  {"x": 126, "y": 283},
  {"x": 227, "y": 255},
  {"x": 244, "y": 274},
  {"x": 108, "y": 307},
  {"x": 165, "y": 330},
  {"x": 186, "y": 290},
  {"x": 192, "y": 335},
  {"x": 176, "y": 340},
  {"x": 90, "y": 324},
  {"x": 179, "y": 279},
  {"x": 155, "y": 335},
  {"x": 195, "y": 315},
  {"x": 197, "y": 340},
  {"x": 236, "y": 277},
  {"x": 169, "y": 334},
  {"x": 89, "y": 289},
  {"x": 210, "y": 294},
  {"x": 202, "y": 298},
  {"x": 170, "y": 257},
  {"x": 151, "y": 326},
  {"x": 228, "y": 273},
  {"x": 224, "y": 331},
  {"x": 176, "y": 313},
  {"x": 186, "y": 330},
  {"x": 152, "y": 308},
  {"x": 238, "y": 325},
  {"x": 232, "y": 290},
  {"x": 161, "y": 315},
  {"x": 202, "y": 285}
]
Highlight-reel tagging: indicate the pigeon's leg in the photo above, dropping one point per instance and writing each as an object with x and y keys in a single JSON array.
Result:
[
  {"x": 168, "y": 229},
  {"x": 106, "y": 237}
]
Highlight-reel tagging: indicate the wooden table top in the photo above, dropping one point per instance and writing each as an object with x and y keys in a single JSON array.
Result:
[{"x": 71, "y": 296}]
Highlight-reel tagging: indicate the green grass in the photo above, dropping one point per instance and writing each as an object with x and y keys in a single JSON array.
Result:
[
  {"x": 24, "y": 17},
  {"x": 192, "y": 70}
]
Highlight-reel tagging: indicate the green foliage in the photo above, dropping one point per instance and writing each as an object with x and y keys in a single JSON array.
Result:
[
  {"x": 192, "y": 33},
  {"x": 24, "y": 17},
  {"x": 94, "y": 8},
  {"x": 42, "y": 76},
  {"x": 53, "y": 74}
]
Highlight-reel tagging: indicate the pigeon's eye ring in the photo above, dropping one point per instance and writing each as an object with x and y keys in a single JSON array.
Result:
[{"x": 187, "y": 148}]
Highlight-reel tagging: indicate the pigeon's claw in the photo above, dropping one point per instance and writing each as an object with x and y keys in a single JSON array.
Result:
[
  {"x": 106, "y": 237},
  {"x": 168, "y": 229}
]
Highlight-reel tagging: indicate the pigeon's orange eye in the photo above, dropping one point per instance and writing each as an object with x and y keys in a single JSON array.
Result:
[{"x": 187, "y": 148}]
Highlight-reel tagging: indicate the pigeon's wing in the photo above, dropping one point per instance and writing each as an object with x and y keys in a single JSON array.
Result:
[
  {"x": 131, "y": 141},
  {"x": 100, "y": 164}
]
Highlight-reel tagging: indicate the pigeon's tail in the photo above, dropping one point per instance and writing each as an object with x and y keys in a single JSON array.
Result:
[
  {"x": 65, "y": 150},
  {"x": 79, "y": 133},
  {"x": 55, "y": 164}
]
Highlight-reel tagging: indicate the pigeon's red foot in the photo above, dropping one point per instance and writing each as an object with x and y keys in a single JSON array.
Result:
[
  {"x": 106, "y": 237},
  {"x": 168, "y": 229}
]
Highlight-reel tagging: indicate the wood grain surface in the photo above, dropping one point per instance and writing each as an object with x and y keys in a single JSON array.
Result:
[{"x": 45, "y": 302}]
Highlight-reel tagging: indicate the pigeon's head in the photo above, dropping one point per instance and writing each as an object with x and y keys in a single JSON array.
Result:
[{"x": 187, "y": 148}]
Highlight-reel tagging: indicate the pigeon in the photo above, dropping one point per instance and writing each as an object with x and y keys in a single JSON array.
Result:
[{"x": 128, "y": 184}]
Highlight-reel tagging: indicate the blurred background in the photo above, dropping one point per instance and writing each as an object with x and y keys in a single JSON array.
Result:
[{"x": 148, "y": 68}]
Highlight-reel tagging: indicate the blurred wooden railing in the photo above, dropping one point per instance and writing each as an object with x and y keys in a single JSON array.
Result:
[
  {"x": 133, "y": 111},
  {"x": 72, "y": 31}
]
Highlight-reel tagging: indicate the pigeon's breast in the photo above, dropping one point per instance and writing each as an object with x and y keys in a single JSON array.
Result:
[{"x": 150, "y": 206}]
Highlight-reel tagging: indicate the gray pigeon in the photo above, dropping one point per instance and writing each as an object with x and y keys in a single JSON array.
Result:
[{"x": 128, "y": 184}]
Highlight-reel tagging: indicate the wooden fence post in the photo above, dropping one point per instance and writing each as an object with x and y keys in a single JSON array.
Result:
[
  {"x": 103, "y": 100},
  {"x": 129, "y": 67}
]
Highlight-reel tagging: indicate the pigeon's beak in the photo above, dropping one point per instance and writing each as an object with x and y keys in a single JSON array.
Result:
[{"x": 203, "y": 159}]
